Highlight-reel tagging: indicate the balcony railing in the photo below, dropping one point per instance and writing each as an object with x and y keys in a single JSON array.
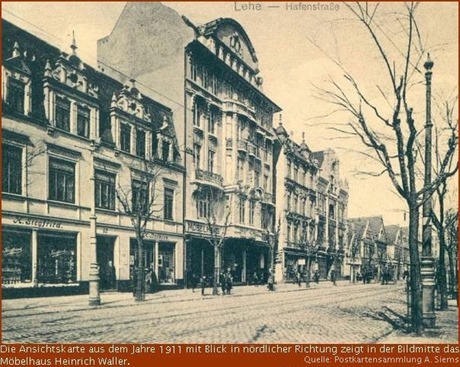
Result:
[{"x": 209, "y": 177}]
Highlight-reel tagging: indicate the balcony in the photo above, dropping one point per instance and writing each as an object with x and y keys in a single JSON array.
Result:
[
  {"x": 242, "y": 146},
  {"x": 209, "y": 177}
]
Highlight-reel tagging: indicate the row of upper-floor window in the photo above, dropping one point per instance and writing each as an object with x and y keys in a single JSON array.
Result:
[
  {"x": 62, "y": 180},
  {"x": 210, "y": 81},
  {"x": 206, "y": 208},
  {"x": 78, "y": 118},
  {"x": 300, "y": 204},
  {"x": 302, "y": 176},
  {"x": 299, "y": 233}
]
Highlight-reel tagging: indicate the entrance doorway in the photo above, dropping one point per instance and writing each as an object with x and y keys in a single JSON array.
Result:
[{"x": 105, "y": 259}]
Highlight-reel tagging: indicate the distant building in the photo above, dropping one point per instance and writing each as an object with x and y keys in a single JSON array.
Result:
[
  {"x": 296, "y": 181},
  {"x": 371, "y": 238},
  {"x": 210, "y": 77},
  {"x": 395, "y": 249},
  {"x": 332, "y": 207},
  {"x": 68, "y": 128}
]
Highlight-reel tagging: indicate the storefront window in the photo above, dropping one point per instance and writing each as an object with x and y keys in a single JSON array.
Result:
[
  {"x": 16, "y": 258},
  {"x": 56, "y": 258},
  {"x": 166, "y": 263}
]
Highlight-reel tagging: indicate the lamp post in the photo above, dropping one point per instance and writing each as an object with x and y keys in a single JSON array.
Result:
[
  {"x": 427, "y": 261},
  {"x": 94, "y": 295}
]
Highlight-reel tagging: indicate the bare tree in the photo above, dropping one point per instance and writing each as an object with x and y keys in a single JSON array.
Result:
[
  {"x": 452, "y": 250},
  {"x": 139, "y": 200},
  {"x": 391, "y": 135},
  {"x": 218, "y": 216}
]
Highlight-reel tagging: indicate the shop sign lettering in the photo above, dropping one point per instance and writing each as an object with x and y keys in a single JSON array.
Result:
[
  {"x": 156, "y": 236},
  {"x": 41, "y": 223}
]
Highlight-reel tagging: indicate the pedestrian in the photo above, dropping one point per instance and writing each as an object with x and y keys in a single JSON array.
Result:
[
  {"x": 194, "y": 282},
  {"x": 298, "y": 278},
  {"x": 271, "y": 282},
  {"x": 222, "y": 282},
  {"x": 334, "y": 277},
  {"x": 203, "y": 284},
  {"x": 316, "y": 276},
  {"x": 255, "y": 279},
  {"x": 228, "y": 282}
]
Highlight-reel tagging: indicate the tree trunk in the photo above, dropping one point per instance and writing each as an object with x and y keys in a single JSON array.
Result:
[
  {"x": 140, "y": 284},
  {"x": 415, "y": 277},
  {"x": 442, "y": 276},
  {"x": 215, "y": 290}
]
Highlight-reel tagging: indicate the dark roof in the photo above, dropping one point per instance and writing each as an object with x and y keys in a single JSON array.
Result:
[
  {"x": 392, "y": 232},
  {"x": 373, "y": 229},
  {"x": 319, "y": 156},
  {"x": 41, "y": 52}
]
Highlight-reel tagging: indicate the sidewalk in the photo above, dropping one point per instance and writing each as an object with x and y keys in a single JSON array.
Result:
[
  {"x": 118, "y": 299},
  {"x": 446, "y": 330}
]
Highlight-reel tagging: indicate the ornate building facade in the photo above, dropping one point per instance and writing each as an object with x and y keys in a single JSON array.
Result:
[
  {"x": 225, "y": 125},
  {"x": 296, "y": 183},
  {"x": 74, "y": 139},
  {"x": 331, "y": 221}
]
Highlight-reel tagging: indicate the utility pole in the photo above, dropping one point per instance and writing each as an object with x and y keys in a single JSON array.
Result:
[
  {"x": 94, "y": 295},
  {"x": 427, "y": 261}
]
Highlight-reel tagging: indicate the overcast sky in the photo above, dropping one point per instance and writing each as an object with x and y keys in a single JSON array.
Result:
[{"x": 291, "y": 65}]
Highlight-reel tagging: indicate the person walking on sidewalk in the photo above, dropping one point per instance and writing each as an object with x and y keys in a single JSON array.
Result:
[
  {"x": 203, "y": 284},
  {"x": 334, "y": 277}
]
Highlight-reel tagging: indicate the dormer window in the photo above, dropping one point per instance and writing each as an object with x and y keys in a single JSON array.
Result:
[
  {"x": 16, "y": 95},
  {"x": 125, "y": 138},
  {"x": 83, "y": 115},
  {"x": 63, "y": 113}
]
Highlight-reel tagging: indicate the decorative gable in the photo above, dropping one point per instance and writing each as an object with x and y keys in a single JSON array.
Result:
[{"x": 130, "y": 100}]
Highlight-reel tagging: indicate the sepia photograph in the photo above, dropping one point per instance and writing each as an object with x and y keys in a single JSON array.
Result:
[{"x": 230, "y": 172}]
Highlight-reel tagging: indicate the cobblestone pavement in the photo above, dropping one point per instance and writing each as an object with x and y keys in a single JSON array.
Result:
[{"x": 347, "y": 313}]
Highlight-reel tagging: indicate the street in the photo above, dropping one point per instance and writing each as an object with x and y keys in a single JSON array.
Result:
[{"x": 346, "y": 313}]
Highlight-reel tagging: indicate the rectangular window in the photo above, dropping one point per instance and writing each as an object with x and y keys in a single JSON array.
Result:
[
  {"x": 16, "y": 95},
  {"x": 266, "y": 186},
  {"x": 83, "y": 114},
  {"x": 62, "y": 181},
  {"x": 140, "y": 143},
  {"x": 166, "y": 146},
  {"x": 12, "y": 169},
  {"x": 154, "y": 145},
  {"x": 140, "y": 197},
  {"x": 196, "y": 155},
  {"x": 125, "y": 138},
  {"x": 242, "y": 210},
  {"x": 211, "y": 155},
  {"x": 252, "y": 210},
  {"x": 105, "y": 190},
  {"x": 203, "y": 207},
  {"x": 168, "y": 204},
  {"x": 240, "y": 169},
  {"x": 257, "y": 178},
  {"x": 213, "y": 120},
  {"x": 62, "y": 113}
]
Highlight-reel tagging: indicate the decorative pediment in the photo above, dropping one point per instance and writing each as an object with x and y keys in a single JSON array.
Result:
[
  {"x": 232, "y": 34},
  {"x": 130, "y": 100},
  {"x": 70, "y": 71},
  {"x": 20, "y": 62}
]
